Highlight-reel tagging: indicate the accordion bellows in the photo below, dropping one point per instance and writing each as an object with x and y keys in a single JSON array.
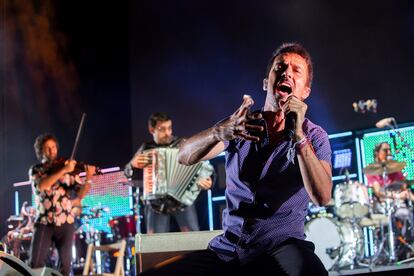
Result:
[{"x": 170, "y": 186}]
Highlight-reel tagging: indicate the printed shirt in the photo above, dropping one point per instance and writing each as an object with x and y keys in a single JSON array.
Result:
[
  {"x": 265, "y": 195},
  {"x": 54, "y": 206}
]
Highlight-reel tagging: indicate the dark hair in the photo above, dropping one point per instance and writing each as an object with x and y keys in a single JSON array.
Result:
[
  {"x": 40, "y": 141},
  {"x": 158, "y": 117},
  {"x": 378, "y": 147},
  {"x": 296, "y": 48}
]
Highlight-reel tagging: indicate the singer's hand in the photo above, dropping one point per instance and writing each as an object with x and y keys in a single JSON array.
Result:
[
  {"x": 238, "y": 125},
  {"x": 293, "y": 104}
]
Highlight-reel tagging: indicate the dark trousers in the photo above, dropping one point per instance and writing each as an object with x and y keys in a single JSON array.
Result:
[
  {"x": 292, "y": 257},
  {"x": 43, "y": 236},
  {"x": 186, "y": 219}
]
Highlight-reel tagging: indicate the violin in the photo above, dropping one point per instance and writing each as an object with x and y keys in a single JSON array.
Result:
[{"x": 59, "y": 163}]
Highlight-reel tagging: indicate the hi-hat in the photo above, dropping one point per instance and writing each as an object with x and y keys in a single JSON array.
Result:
[{"x": 387, "y": 167}]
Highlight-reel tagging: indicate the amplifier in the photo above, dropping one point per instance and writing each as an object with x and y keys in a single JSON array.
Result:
[{"x": 152, "y": 249}]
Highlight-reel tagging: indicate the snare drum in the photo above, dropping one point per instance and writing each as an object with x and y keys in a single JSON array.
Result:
[
  {"x": 351, "y": 200},
  {"x": 123, "y": 226},
  {"x": 335, "y": 242}
]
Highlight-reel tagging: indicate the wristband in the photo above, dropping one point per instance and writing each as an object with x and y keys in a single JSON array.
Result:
[
  {"x": 301, "y": 143},
  {"x": 296, "y": 146}
]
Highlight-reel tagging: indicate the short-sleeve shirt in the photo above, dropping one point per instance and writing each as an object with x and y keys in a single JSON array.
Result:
[
  {"x": 392, "y": 177},
  {"x": 265, "y": 195},
  {"x": 54, "y": 206}
]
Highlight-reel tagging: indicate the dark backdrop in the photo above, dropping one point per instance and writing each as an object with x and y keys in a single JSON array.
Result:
[{"x": 118, "y": 61}]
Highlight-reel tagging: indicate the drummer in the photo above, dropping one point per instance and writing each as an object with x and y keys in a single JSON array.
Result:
[
  {"x": 388, "y": 183},
  {"x": 385, "y": 173}
]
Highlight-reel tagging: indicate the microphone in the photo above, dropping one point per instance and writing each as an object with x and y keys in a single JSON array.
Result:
[
  {"x": 290, "y": 123},
  {"x": 386, "y": 122}
]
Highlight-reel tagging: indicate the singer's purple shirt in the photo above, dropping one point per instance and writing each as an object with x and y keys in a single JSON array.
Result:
[{"x": 265, "y": 195}]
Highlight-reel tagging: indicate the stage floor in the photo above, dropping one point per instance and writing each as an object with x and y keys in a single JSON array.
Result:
[{"x": 395, "y": 269}]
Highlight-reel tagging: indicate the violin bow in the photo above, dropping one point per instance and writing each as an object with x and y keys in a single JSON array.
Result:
[{"x": 75, "y": 146}]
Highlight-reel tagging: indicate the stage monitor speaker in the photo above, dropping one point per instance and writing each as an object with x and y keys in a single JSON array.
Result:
[
  {"x": 12, "y": 266},
  {"x": 45, "y": 271},
  {"x": 152, "y": 249}
]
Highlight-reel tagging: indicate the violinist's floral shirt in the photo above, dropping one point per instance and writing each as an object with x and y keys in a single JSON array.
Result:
[{"x": 54, "y": 205}]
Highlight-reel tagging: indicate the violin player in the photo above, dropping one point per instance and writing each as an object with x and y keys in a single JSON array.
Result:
[{"x": 58, "y": 193}]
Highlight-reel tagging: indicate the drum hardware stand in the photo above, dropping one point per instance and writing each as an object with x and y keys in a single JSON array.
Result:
[
  {"x": 137, "y": 212},
  {"x": 355, "y": 254},
  {"x": 92, "y": 237},
  {"x": 380, "y": 249},
  {"x": 138, "y": 229},
  {"x": 388, "y": 238},
  {"x": 391, "y": 236},
  {"x": 389, "y": 208},
  {"x": 411, "y": 209},
  {"x": 410, "y": 230}
]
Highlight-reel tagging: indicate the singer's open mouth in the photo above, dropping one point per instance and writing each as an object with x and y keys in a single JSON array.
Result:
[{"x": 283, "y": 89}]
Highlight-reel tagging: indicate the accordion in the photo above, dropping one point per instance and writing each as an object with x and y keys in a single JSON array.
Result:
[{"x": 170, "y": 186}]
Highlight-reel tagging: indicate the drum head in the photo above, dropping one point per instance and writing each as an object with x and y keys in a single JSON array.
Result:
[
  {"x": 324, "y": 233},
  {"x": 335, "y": 242}
]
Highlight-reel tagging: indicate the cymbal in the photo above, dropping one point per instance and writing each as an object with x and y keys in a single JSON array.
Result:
[
  {"x": 389, "y": 166},
  {"x": 15, "y": 218}
]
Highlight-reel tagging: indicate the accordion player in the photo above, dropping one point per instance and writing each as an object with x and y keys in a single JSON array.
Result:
[{"x": 170, "y": 186}]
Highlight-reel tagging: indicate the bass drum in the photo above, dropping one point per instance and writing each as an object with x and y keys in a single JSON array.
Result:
[{"x": 336, "y": 243}]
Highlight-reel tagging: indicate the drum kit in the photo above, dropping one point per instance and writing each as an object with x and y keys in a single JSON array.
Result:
[
  {"x": 359, "y": 230},
  {"x": 20, "y": 232},
  {"x": 18, "y": 239},
  {"x": 122, "y": 227}
]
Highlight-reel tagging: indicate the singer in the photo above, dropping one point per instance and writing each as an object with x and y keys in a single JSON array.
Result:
[{"x": 271, "y": 176}]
